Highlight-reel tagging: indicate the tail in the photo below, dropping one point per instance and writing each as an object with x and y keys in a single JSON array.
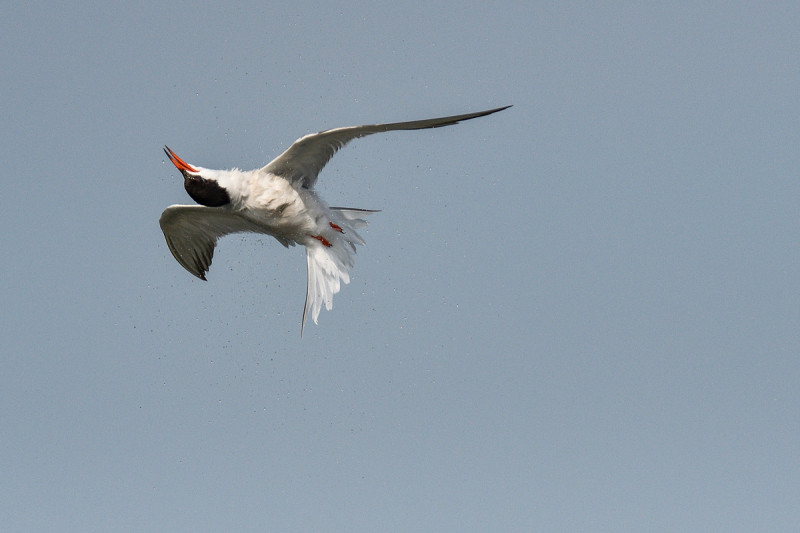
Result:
[{"x": 329, "y": 266}]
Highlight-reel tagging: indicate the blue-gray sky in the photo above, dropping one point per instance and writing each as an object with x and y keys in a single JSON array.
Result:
[{"x": 578, "y": 314}]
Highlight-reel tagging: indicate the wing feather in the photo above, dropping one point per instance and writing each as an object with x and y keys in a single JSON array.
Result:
[
  {"x": 192, "y": 232},
  {"x": 302, "y": 162}
]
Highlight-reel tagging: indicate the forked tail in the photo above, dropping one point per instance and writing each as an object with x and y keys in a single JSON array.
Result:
[{"x": 330, "y": 261}]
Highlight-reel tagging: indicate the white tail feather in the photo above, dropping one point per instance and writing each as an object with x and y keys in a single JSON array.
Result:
[{"x": 329, "y": 266}]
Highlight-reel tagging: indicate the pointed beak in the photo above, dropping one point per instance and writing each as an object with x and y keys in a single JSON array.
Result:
[{"x": 179, "y": 163}]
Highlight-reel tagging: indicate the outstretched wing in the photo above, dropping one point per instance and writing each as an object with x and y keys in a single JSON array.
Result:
[
  {"x": 304, "y": 159},
  {"x": 192, "y": 232}
]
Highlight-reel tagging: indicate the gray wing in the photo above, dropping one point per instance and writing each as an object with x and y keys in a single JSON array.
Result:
[
  {"x": 304, "y": 159},
  {"x": 192, "y": 232}
]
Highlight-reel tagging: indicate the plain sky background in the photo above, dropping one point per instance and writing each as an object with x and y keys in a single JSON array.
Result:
[{"x": 579, "y": 314}]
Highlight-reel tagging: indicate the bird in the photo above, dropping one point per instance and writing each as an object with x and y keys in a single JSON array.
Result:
[{"x": 279, "y": 200}]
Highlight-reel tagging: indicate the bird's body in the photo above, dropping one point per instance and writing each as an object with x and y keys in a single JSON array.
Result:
[{"x": 279, "y": 200}]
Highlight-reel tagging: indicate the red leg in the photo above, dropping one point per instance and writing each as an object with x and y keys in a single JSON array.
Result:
[
  {"x": 336, "y": 227},
  {"x": 323, "y": 240}
]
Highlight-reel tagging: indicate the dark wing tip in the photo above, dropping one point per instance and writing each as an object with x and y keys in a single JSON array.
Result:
[{"x": 490, "y": 111}]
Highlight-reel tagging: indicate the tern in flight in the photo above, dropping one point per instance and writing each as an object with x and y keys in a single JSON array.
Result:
[{"x": 279, "y": 200}]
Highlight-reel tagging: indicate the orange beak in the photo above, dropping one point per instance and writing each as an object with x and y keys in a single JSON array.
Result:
[{"x": 181, "y": 165}]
